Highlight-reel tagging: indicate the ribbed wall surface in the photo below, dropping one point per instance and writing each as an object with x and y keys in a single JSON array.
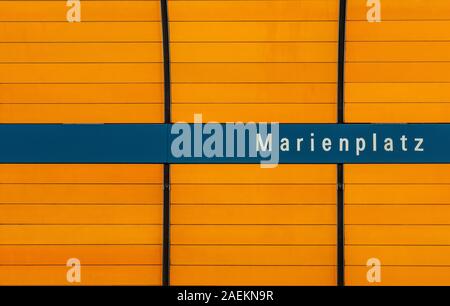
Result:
[
  {"x": 105, "y": 69},
  {"x": 397, "y": 69},
  {"x": 243, "y": 225},
  {"x": 397, "y": 72},
  {"x": 234, "y": 60},
  {"x": 398, "y": 214},
  {"x": 107, "y": 216},
  {"x": 254, "y": 61}
]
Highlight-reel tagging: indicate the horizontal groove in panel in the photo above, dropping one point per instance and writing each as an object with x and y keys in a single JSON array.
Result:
[
  {"x": 401, "y": 10},
  {"x": 252, "y": 93},
  {"x": 400, "y": 276},
  {"x": 80, "y": 194},
  {"x": 85, "y": 93},
  {"x": 253, "y": 174},
  {"x": 397, "y": 194},
  {"x": 252, "y": 214},
  {"x": 90, "y": 275},
  {"x": 252, "y": 10},
  {"x": 430, "y": 30},
  {"x": 80, "y": 173},
  {"x": 398, "y": 51},
  {"x": 80, "y": 214},
  {"x": 253, "y": 234},
  {"x": 73, "y": 73},
  {"x": 397, "y": 174},
  {"x": 397, "y": 112},
  {"x": 80, "y": 234},
  {"x": 77, "y": 52},
  {"x": 398, "y": 72},
  {"x": 80, "y": 32},
  {"x": 253, "y": 72},
  {"x": 397, "y": 92},
  {"x": 288, "y": 113},
  {"x": 90, "y": 11},
  {"x": 397, "y": 214},
  {"x": 252, "y": 31},
  {"x": 397, "y": 235},
  {"x": 399, "y": 255},
  {"x": 87, "y": 254},
  {"x": 262, "y": 194},
  {"x": 252, "y": 52},
  {"x": 81, "y": 113},
  {"x": 253, "y": 255},
  {"x": 254, "y": 276}
]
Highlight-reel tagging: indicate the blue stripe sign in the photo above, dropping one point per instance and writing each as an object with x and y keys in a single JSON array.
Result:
[{"x": 268, "y": 144}]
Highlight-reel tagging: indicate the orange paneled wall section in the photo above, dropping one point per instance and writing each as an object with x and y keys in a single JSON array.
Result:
[
  {"x": 397, "y": 72},
  {"x": 254, "y": 61},
  {"x": 105, "y": 69}
]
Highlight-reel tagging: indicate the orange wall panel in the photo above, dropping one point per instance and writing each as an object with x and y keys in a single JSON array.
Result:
[
  {"x": 88, "y": 254},
  {"x": 53, "y": 32},
  {"x": 277, "y": 225},
  {"x": 248, "y": 174},
  {"x": 253, "y": 194},
  {"x": 229, "y": 57},
  {"x": 324, "y": 10},
  {"x": 251, "y": 93},
  {"x": 403, "y": 275},
  {"x": 83, "y": 72},
  {"x": 402, "y": 10},
  {"x": 396, "y": 69},
  {"x": 91, "y": 11},
  {"x": 78, "y": 52},
  {"x": 92, "y": 275},
  {"x": 252, "y": 255},
  {"x": 107, "y": 216},
  {"x": 254, "y": 276},
  {"x": 397, "y": 214}
]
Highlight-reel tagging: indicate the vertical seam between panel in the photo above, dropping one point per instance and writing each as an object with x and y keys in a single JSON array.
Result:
[
  {"x": 340, "y": 167},
  {"x": 167, "y": 120}
]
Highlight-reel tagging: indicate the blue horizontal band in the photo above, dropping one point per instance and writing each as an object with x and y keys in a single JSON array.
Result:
[{"x": 154, "y": 143}]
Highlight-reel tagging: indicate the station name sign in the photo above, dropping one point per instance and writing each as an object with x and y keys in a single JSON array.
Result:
[{"x": 267, "y": 144}]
